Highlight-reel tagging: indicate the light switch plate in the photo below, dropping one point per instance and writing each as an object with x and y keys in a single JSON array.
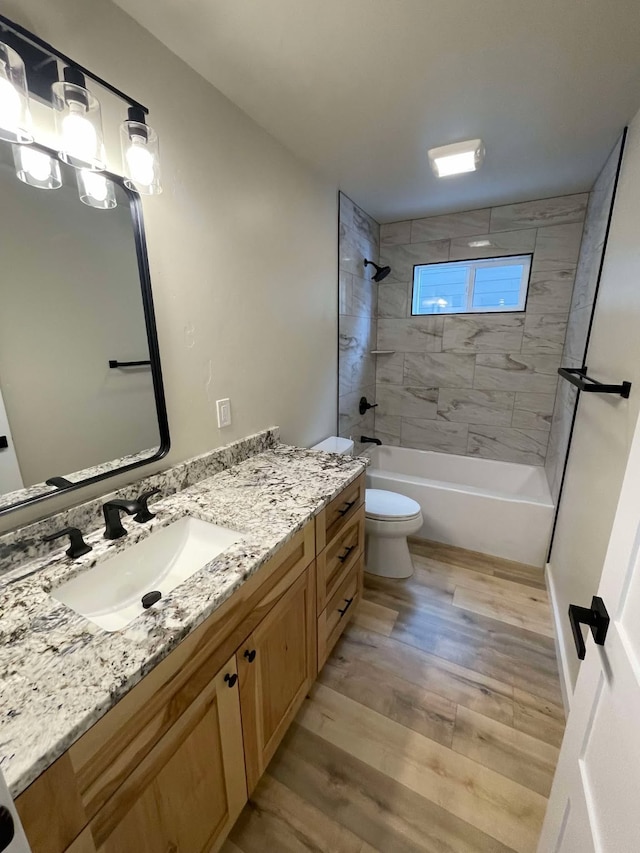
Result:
[{"x": 223, "y": 408}]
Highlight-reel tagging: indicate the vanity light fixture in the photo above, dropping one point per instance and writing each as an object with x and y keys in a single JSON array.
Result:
[
  {"x": 78, "y": 122},
  {"x": 36, "y": 168},
  {"x": 96, "y": 190},
  {"x": 457, "y": 158},
  {"x": 15, "y": 117},
  {"x": 140, "y": 154}
]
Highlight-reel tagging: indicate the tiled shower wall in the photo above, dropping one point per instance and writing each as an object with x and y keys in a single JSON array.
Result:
[
  {"x": 359, "y": 238},
  {"x": 582, "y": 305},
  {"x": 481, "y": 384}
]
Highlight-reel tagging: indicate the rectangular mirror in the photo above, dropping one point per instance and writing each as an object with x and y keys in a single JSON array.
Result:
[{"x": 81, "y": 394}]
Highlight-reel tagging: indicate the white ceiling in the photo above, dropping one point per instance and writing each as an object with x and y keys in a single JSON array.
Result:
[{"x": 361, "y": 88}]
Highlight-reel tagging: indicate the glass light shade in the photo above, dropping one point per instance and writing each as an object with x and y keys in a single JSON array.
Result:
[
  {"x": 96, "y": 190},
  {"x": 36, "y": 168},
  {"x": 140, "y": 157},
  {"x": 15, "y": 118},
  {"x": 79, "y": 126}
]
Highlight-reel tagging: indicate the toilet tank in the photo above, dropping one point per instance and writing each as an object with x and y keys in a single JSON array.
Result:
[{"x": 335, "y": 444}]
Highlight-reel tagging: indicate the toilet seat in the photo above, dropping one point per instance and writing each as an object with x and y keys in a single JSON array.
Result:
[{"x": 382, "y": 505}]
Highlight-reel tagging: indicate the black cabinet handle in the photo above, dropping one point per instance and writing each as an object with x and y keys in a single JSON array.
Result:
[
  {"x": 4, "y": 442},
  {"x": 7, "y": 828},
  {"x": 347, "y": 508},
  {"x": 596, "y": 617},
  {"x": 346, "y": 607},
  {"x": 250, "y": 655},
  {"x": 346, "y": 553},
  {"x": 231, "y": 679}
]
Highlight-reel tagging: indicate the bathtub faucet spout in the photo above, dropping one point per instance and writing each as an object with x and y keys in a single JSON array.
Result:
[{"x": 364, "y": 439}]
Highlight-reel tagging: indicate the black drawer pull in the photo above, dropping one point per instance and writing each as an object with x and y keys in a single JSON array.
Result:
[
  {"x": 596, "y": 617},
  {"x": 346, "y": 607},
  {"x": 347, "y": 508},
  {"x": 346, "y": 553},
  {"x": 7, "y": 828},
  {"x": 231, "y": 679},
  {"x": 250, "y": 655},
  {"x": 4, "y": 442}
]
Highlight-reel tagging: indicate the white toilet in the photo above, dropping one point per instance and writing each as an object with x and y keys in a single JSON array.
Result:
[{"x": 390, "y": 518}]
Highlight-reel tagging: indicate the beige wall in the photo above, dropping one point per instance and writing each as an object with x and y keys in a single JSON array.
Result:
[
  {"x": 605, "y": 424},
  {"x": 242, "y": 246}
]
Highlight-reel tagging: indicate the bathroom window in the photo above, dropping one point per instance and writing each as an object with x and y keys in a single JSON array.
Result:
[{"x": 471, "y": 287}]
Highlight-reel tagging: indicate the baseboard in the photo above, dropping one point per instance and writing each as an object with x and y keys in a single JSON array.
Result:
[{"x": 560, "y": 624}]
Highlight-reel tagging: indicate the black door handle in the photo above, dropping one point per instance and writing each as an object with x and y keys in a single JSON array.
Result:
[
  {"x": 7, "y": 828},
  {"x": 4, "y": 442},
  {"x": 596, "y": 617}
]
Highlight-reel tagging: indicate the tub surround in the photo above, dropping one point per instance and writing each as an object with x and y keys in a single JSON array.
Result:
[
  {"x": 483, "y": 384},
  {"x": 61, "y": 673},
  {"x": 359, "y": 239}
]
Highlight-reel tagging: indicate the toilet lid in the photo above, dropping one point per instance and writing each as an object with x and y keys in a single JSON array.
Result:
[{"x": 389, "y": 505}]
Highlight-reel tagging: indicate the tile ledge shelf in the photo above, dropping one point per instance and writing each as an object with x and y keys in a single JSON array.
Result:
[{"x": 382, "y": 352}]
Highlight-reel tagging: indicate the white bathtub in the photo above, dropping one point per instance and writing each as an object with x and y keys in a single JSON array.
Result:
[{"x": 499, "y": 508}]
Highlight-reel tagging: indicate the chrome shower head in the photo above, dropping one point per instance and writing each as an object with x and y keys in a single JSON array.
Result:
[{"x": 380, "y": 273}]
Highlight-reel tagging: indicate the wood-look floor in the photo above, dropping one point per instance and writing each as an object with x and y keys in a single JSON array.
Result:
[{"x": 434, "y": 726}]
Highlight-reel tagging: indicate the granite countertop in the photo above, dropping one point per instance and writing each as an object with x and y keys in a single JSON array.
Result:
[{"x": 61, "y": 673}]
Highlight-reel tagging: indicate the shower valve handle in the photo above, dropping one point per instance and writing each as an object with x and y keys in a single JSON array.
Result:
[{"x": 365, "y": 405}]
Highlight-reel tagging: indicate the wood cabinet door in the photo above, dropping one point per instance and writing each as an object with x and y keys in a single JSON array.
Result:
[
  {"x": 186, "y": 794},
  {"x": 277, "y": 666}
]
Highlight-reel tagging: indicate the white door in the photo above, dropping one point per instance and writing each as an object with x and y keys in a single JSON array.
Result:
[
  {"x": 10, "y": 477},
  {"x": 594, "y": 805}
]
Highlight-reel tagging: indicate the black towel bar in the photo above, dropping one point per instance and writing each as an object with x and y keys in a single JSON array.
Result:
[
  {"x": 578, "y": 376},
  {"x": 113, "y": 363}
]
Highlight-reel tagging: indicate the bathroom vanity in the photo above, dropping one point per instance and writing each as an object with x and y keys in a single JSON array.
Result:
[{"x": 183, "y": 741}]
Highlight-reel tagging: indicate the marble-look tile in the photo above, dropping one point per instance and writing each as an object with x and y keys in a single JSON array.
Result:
[
  {"x": 394, "y": 300},
  {"x": 483, "y": 332},
  {"x": 390, "y": 370},
  {"x": 403, "y": 258},
  {"x": 476, "y": 407},
  {"x": 407, "y": 401},
  {"x": 394, "y": 233},
  {"x": 434, "y": 435},
  {"x": 535, "y": 214},
  {"x": 387, "y": 429},
  {"x": 527, "y": 446},
  {"x": 345, "y": 292},
  {"x": 517, "y": 372},
  {"x": 577, "y": 331},
  {"x": 550, "y": 292},
  {"x": 367, "y": 226},
  {"x": 587, "y": 273},
  {"x": 350, "y": 257},
  {"x": 345, "y": 210},
  {"x": 566, "y": 400},
  {"x": 557, "y": 247},
  {"x": 350, "y": 422},
  {"x": 417, "y": 334},
  {"x": 533, "y": 411},
  {"x": 502, "y": 243},
  {"x": 450, "y": 370},
  {"x": 364, "y": 294},
  {"x": 450, "y": 225},
  {"x": 544, "y": 333}
]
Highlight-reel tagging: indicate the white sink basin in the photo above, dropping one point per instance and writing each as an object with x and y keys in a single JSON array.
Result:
[{"x": 110, "y": 594}]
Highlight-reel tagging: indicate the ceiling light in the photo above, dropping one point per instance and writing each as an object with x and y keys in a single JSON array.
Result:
[
  {"x": 457, "y": 158},
  {"x": 479, "y": 244}
]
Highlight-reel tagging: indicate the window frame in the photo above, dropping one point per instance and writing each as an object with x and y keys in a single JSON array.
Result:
[{"x": 525, "y": 259}]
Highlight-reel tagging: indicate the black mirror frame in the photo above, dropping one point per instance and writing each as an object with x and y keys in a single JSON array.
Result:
[{"x": 135, "y": 209}]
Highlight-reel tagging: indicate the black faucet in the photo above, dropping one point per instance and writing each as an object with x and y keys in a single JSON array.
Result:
[
  {"x": 364, "y": 439},
  {"x": 112, "y": 509},
  {"x": 78, "y": 547},
  {"x": 144, "y": 513}
]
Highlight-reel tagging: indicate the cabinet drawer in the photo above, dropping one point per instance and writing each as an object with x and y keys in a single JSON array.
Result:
[
  {"x": 339, "y": 557},
  {"x": 335, "y": 617},
  {"x": 339, "y": 512}
]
